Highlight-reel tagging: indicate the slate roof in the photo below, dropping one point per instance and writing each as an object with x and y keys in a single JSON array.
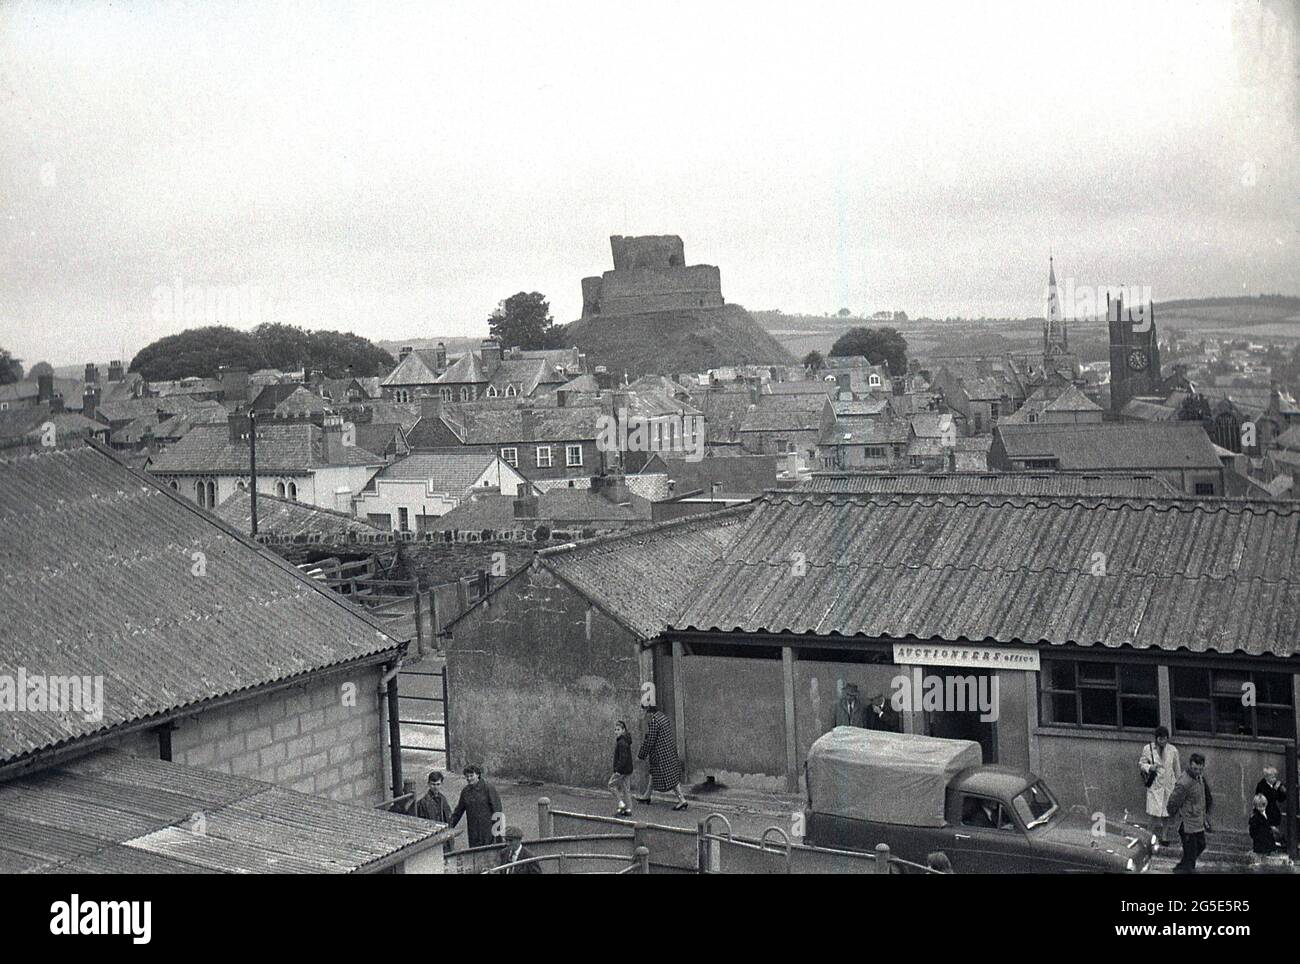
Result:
[
  {"x": 284, "y": 517},
  {"x": 784, "y": 413},
  {"x": 1290, "y": 439},
  {"x": 97, "y": 579},
  {"x": 1149, "y": 411},
  {"x": 302, "y": 401},
  {"x": 25, "y": 425},
  {"x": 1131, "y": 446},
  {"x": 1199, "y": 574},
  {"x": 984, "y": 483},
  {"x": 858, "y": 407},
  {"x": 496, "y": 426},
  {"x": 645, "y": 576},
  {"x": 449, "y": 472},
  {"x": 738, "y": 475},
  {"x": 878, "y": 431},
  {"x": 417, "y": 368},
  {"x": 809, "y": 387},
  {"x": 557, "y": 505},
  {"x": 294, "y": 448},
  {"x": 115, "y": 813}
]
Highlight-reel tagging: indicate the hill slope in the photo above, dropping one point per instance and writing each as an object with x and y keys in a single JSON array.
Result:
[{"x": 667, "y": 342}]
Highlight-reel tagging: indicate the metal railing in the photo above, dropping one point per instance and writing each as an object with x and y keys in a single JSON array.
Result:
[{"x": 640, "y": 862}]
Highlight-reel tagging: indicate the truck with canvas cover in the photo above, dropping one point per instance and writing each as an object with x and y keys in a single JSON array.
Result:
[{"x": 921, "y": 794}]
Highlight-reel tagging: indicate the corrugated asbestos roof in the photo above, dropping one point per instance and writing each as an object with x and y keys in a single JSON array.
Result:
[
  {"x": 1007, "y": 483},
  {"x": 114, "y": 813},
  {"x": 1197, "y": 574},
  {"x": 645, "y": 577},
  {"x": 98, "y": 578}
]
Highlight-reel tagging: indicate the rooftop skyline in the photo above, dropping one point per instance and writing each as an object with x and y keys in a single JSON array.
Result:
[{"x": 397, "y": 172}]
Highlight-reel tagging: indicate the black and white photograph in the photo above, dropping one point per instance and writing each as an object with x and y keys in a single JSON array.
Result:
[{"x": 566, "y": 438}]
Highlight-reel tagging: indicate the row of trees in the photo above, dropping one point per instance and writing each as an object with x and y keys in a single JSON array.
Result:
[{"x": 201, "y": 351}]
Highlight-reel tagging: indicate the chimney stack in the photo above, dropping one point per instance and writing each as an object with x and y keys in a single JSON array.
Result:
[
  {"x": 490, "y": 351},
  {"x": 612, "y": 487},
  {"x": 401, "y": 355},
  {"x": 527, "y": 425},
  {"x": 56, "y": 403},
  {"x": 332, "y": 439},
  {"x": 92, "y": 373},
  {"x": 527, "y": 507},
  {"x": 440, "y": 357},
  {"x": 238, "y": 424},
  {"x": 90, "y": 401},
  {"x": 115, "y": 372},
  {"x": 234, "y": 384},
  {"x": 44, "y": 388}
]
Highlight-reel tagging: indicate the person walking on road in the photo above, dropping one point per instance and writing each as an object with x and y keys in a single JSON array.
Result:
[
  {"x": 480, "y": 804},
  {"x": 1190, "y": 804},
  {"x": 1160, "y": 768},
  {"x": 659, "y": 746},
  {"x": 620, "y": 782}
]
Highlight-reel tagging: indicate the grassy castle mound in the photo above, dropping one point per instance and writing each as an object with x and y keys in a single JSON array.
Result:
[{"x": 677, "y": 340}]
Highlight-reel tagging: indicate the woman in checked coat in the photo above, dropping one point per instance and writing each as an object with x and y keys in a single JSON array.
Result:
[{"x": 659, "y": 746}]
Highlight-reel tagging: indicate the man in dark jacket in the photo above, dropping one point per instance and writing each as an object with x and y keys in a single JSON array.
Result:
[
  {"x": 434, "y": 806},
  {"x": 480, "y": 804},
  {"x": 515, "y": 851},
  {"x": 1190, "y": 805},
  {"x": 850, "y": 710}
]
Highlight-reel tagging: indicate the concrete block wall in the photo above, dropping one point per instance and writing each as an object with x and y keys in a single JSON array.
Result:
[{"x": 304, "y": 738}]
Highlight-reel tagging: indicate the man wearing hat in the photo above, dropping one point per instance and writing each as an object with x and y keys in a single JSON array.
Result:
[
  {"x": 514, "y": 851},
  {"x": 850, "y": 710}
]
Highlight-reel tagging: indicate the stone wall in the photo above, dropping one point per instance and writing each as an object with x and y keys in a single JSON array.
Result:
[
  {"x": 647, "y": 251},
  {"x": 536, "y": 678}
]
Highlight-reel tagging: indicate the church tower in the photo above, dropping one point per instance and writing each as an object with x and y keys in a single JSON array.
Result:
[{"x": 1134, "y": 352}]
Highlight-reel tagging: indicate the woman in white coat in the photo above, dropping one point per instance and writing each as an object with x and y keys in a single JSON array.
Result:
[{"x": 1160, "y": 768}]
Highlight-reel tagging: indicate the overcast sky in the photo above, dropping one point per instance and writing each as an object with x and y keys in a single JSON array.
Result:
[{"x": 397, "y": 170}]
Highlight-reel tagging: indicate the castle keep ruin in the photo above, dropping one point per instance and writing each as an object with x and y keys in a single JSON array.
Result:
[{"x": 650, "y": 274}]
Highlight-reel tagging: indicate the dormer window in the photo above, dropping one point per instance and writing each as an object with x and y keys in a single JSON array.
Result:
[
  {"x": 445, "y": 394},
  {"x": 511, "y": 391},
  {"x": 492, "y": 391}
]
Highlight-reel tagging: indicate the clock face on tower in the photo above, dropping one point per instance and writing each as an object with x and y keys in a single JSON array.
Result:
[{"x": 1137, "y": 360}]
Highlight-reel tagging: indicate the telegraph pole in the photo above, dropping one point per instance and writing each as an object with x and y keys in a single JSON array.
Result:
[{"x": 252, "y": 464}]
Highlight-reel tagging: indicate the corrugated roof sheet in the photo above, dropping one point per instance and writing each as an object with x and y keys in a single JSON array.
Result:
[
  {"x": 97, "y": 578},
  {"x": 645, "y": 577},
  {"x": 1007, "y": 483},
  {"x": 114, "y": 813},
  {"x": 1197, "y": 574}
]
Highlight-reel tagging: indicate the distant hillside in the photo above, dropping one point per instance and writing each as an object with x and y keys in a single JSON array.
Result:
[{"x": 666, "y": 342}]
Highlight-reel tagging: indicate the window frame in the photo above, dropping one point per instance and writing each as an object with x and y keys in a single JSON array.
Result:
[
  {"x": 1116, "y": 687},
  {"x": 569, "y": 462},
  {"x": 537, "y": 457},
  {"x": 512, "y": 459},
  {"x": 1213, "y": 698}
]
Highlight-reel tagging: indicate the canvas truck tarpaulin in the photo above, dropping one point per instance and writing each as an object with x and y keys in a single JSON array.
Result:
[{"x": 885, "y": 777}]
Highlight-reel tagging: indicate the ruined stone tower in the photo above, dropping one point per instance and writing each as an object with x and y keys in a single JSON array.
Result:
[{"x": 650, "y": 274}]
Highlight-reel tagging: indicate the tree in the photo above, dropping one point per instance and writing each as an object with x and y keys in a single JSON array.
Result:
[
  {"x": 879, "y": 345},
  {"x": 39, "y": 369},
  {"x": 334, "y": 352},
  {"x": 198, "y": 351},
  {"x": 814, "y": 361},
  {"x": 283, "y": 346},
  {"x": 11, "y": 369},
  {"x": 843, "y": 313},
  {"x": 523, "y": 321}
]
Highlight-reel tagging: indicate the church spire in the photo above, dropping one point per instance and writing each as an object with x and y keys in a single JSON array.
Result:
[{"x": 1055, "y": 340}]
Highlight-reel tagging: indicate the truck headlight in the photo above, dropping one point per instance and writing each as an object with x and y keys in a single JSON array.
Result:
[
  {"x": 1155, "y": 843},
  {"x": 1130, "y": 866}
]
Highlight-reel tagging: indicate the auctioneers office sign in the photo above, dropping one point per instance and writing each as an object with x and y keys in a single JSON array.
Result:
[{"x": 966, "y": 656}]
